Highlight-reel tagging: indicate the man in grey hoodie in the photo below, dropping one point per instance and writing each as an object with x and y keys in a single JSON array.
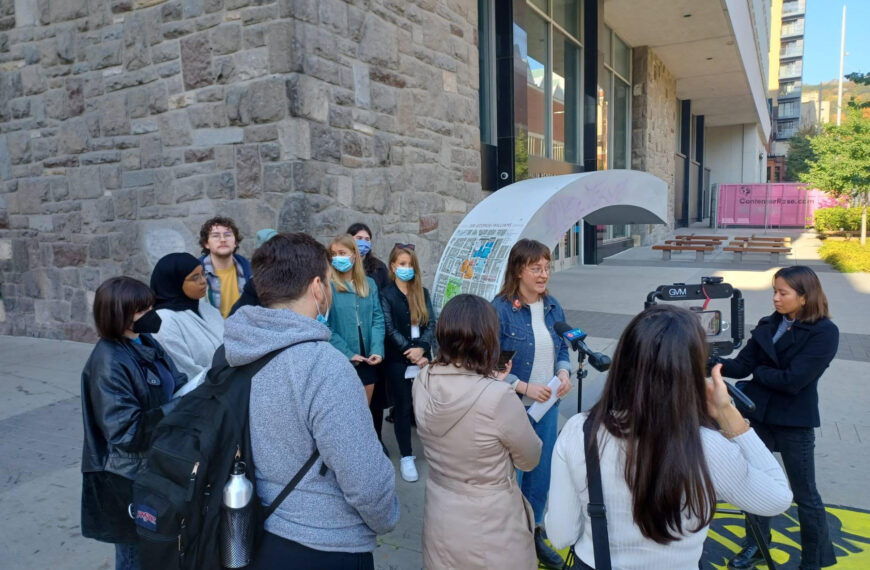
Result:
[{"x": 308, "y": 397}]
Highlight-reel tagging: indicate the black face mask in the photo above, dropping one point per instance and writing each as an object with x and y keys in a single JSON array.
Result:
[{"x": 147, "y": 323}]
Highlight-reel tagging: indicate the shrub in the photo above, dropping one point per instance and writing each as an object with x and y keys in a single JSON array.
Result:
[
  {"x": 847, "y": 256},
  {"x": 833, "y": 219}
]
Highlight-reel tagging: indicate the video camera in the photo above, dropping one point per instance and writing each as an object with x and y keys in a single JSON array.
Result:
[{"x": 698, "y": 298}]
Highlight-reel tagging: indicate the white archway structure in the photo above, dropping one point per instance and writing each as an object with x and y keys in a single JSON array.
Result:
[{"x": 543, "y": 209}]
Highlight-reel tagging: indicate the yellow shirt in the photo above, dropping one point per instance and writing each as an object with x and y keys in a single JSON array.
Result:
[{"x": 229, "y": 289}]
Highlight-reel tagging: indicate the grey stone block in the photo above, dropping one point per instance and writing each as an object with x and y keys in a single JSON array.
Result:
[
  {"x": 187, "y": 189},
  {"x": 33, "y": 80},
  {"x": 278, "y": 177},
  {"x": 309, "y": 98},
  {"x": 69, "y": 254},
  {"x": 126, "y": 204},
  {"x": 151, "y": 149},
  {"x": 196, "y": 61},
  {"x": 325, "y": 143},
  {"x": 175, "y": 129},
  {"x": 226, "y": 38},
  {"x": 221, "y": 186},
  {"x": 103, "y": 55},
  {"x": 32, "y": 192},
  {"x": 208, "y": 115},
  {"x": 257, "y": 102},
  {"x": 145, "y": 125},
  {"x": 51, "y": 311},
  {"x": 214, "y": 137},
  {"x": 378, "y": 45},
  {"x": 136, "y": 178},
  {"x": 113, "y": 115},
  {"x": 285, "y": 54},
  {"x": 248, "y": 171}
]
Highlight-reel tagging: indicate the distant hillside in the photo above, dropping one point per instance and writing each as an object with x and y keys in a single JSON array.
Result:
[{"x": 829, "y": 92}]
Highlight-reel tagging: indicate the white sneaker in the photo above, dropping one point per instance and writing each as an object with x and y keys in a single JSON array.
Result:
[{"x": 408, "y": 469}]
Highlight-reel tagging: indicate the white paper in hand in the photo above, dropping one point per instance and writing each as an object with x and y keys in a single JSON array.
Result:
[
  {"x": 537, "y": 410},
  {"x": 191, "y": 384},
  {"x": 411, "y": 372}
]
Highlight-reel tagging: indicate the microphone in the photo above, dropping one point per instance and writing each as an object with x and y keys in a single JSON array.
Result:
[{"x": 575, "y": 337}]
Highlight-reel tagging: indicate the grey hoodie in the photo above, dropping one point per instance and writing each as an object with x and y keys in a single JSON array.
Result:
[{"x": 307, "y": 396}]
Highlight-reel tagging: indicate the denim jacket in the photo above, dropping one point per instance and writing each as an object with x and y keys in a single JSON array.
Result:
[
  {"x": 243, "y": 273},
  {"x": 515, "y": 333}
]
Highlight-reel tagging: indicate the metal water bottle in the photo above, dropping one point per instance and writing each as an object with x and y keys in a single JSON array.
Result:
[{"x": 237, "y": 524}]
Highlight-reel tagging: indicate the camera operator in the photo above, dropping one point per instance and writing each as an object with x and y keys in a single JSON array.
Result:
[{"x": 786, "y": 355}]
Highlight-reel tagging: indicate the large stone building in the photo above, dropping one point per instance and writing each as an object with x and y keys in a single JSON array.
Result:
[{"x": 126, "y": 123}]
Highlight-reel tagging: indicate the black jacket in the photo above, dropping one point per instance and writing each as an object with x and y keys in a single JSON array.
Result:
[
  {"x": 397, "y": 318},
  {"x": 377, "y": 270},
  {"x": 121, "y": 404},
  {"x": 248, "y": 297},
  {"x": 785, "y": 376}
]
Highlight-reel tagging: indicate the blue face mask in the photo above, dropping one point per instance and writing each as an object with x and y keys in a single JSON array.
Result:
[
  {"x": 321, "y": 318},
  {"x": 341, "y": 263},
  {"x": 364, "y": 246},
  {"x": 405, "y": 273}
]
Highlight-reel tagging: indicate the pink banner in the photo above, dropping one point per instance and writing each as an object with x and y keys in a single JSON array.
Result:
[{"x": 788, "y": 204}]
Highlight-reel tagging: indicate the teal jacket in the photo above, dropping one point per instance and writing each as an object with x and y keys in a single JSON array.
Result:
[{"x": 349, "y": 310}]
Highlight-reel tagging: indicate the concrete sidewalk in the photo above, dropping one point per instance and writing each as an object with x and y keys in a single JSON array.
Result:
[{"x": 40, "y": 413}]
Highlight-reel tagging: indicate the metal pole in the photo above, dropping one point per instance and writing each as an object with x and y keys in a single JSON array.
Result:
[{"x": 842, "y": 54}]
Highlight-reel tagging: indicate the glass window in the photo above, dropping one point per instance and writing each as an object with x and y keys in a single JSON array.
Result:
[
  {"x": 542, "y": 4},
  {"x": 605, "y": 78},
  {"x": 486, "y": 60},
  {"x": 566, "y": 13},
  {"x": 606, "y": 45},
  {"x": 678, "y": 128},
  {"x": 621, "y": 121},
  {"x": 530, "y": 39},
  {"x": 566, "y": 99},
  {"x": 621, "y": 57}
]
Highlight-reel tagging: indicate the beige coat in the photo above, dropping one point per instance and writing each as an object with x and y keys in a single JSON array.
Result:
[{"x": 475, "y": 433}]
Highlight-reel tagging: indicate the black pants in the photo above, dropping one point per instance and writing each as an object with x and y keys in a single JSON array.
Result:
[
  {"x": 276, "y": 552},
  {"x": 403, "y": 407},
  {"x": 797, "y": 445}
]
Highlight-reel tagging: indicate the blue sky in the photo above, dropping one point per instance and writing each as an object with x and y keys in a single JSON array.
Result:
[{"x": 822, "y": 39}]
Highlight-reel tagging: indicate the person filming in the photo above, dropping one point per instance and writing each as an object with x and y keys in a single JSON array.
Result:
[
  {"x": 663, "y": 463},
  {"x": 786, "y": 355}
]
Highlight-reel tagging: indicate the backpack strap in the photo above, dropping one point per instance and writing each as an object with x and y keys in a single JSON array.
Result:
[
  {"x": 291, "y": 485},
  {"x": 595, "y": 508}
]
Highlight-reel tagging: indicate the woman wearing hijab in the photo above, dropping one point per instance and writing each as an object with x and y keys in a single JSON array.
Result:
[{"x": 192, "y": 329}]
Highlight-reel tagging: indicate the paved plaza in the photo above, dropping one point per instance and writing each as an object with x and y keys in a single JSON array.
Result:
[{"x": 40, "y": 413}]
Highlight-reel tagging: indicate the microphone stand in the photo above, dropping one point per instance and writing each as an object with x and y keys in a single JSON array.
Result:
[{"x": 581, "y": 374}]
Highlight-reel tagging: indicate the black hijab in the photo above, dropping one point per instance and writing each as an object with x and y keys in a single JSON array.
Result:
[{"x": 168, "y": 278}]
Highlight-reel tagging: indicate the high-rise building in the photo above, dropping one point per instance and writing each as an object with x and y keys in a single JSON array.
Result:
[{"x": 786, "y": 72}]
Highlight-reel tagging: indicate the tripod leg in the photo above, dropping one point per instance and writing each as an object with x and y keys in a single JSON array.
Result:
[{"x": 752, "y": 526}]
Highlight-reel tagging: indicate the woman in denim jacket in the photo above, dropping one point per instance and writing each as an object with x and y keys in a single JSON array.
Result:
[{"x": 527, "y": 315}]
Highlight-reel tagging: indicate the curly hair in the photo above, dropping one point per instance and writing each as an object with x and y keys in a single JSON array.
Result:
[{"x": 218, "y": 221}]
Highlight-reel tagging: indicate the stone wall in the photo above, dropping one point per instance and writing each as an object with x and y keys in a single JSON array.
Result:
[
  {"x": 654, "y": 123},
  {"x": 124, "y": 124}
]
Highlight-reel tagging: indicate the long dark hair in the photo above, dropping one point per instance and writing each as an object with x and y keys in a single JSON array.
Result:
[
  {"x": 467, "y": 334},
  {"x": 655, "y": 399},
  {"x": 806, "y": 283},
  {"x": 370, "y": 262}
]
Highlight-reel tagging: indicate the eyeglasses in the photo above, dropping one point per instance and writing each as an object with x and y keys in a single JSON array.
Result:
[
  {"x": 225, "y": 235},
  {"x": 410, "y": 246},
  {"x": 538, "y": 270}
]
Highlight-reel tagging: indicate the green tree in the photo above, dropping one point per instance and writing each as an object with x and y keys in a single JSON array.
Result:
[
  {"x": 800, "y": 155},
  {"x": 842, "y": 162},
  {"x": 860, "y": 78}
]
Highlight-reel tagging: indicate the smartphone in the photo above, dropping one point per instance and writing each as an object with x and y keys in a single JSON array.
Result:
[
  {"x": 711, "y": 321},
  {"x": 504, "y": 358}
]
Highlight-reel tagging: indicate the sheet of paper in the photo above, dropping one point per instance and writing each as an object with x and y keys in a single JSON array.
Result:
[
  {"x": 190, "y": 385},
  {"x": 537, "y": 410},
  {"x": 412, "y": 371}
]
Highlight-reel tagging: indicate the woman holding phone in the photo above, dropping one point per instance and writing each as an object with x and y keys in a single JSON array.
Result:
[
  {"x": 527, "y": 315},
  {"x": 355, "y": 317},
  {"x": 786, "y": 355}
]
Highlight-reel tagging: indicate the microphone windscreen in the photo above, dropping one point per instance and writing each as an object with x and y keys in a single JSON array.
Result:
[{"x": 561, "y": 328}]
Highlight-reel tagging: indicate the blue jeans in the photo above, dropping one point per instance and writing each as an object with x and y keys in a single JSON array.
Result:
[
  {"x": 127, "y": 557},
  {"x": 535, "y": 484},
  {"x": 797, "y": 445}
]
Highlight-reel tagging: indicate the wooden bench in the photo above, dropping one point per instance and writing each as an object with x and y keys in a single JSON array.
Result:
[
  {"x": 698, "y": 249},
  {"x": 773, "y": 251},
  {"x": 785, "y": 239},
  {"x": 707, "y": 238},
  {"x": 692, "y": 242},
  {"x": 756, "y": 244}
]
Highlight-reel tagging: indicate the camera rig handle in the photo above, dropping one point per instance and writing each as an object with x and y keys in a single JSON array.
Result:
[{"x": 709, "y": 288}]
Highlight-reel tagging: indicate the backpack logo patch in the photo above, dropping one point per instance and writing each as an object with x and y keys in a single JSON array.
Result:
[{"x": 146, "y": 517}]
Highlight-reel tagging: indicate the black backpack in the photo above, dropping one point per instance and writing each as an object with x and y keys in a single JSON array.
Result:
[{"x": 177, "y": 498}]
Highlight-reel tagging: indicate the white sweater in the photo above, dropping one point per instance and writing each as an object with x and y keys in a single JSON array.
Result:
[
  {"x": 744, "y": 474},
  {"x": 190, "y": 340}
]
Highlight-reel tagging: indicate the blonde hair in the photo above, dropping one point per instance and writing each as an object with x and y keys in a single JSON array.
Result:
[
  {"x": 416, "y": 296},
  {"x": 358, "y": 274}
]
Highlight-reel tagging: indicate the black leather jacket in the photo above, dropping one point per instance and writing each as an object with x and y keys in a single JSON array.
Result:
[
  {"x": 397, "y": 320},
  {"x": 121, "y": 403}
]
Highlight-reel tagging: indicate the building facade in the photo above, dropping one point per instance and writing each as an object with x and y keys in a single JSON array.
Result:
[
  {"x": 124, "y": 124},
  {"x": 786, "y": 74}
]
